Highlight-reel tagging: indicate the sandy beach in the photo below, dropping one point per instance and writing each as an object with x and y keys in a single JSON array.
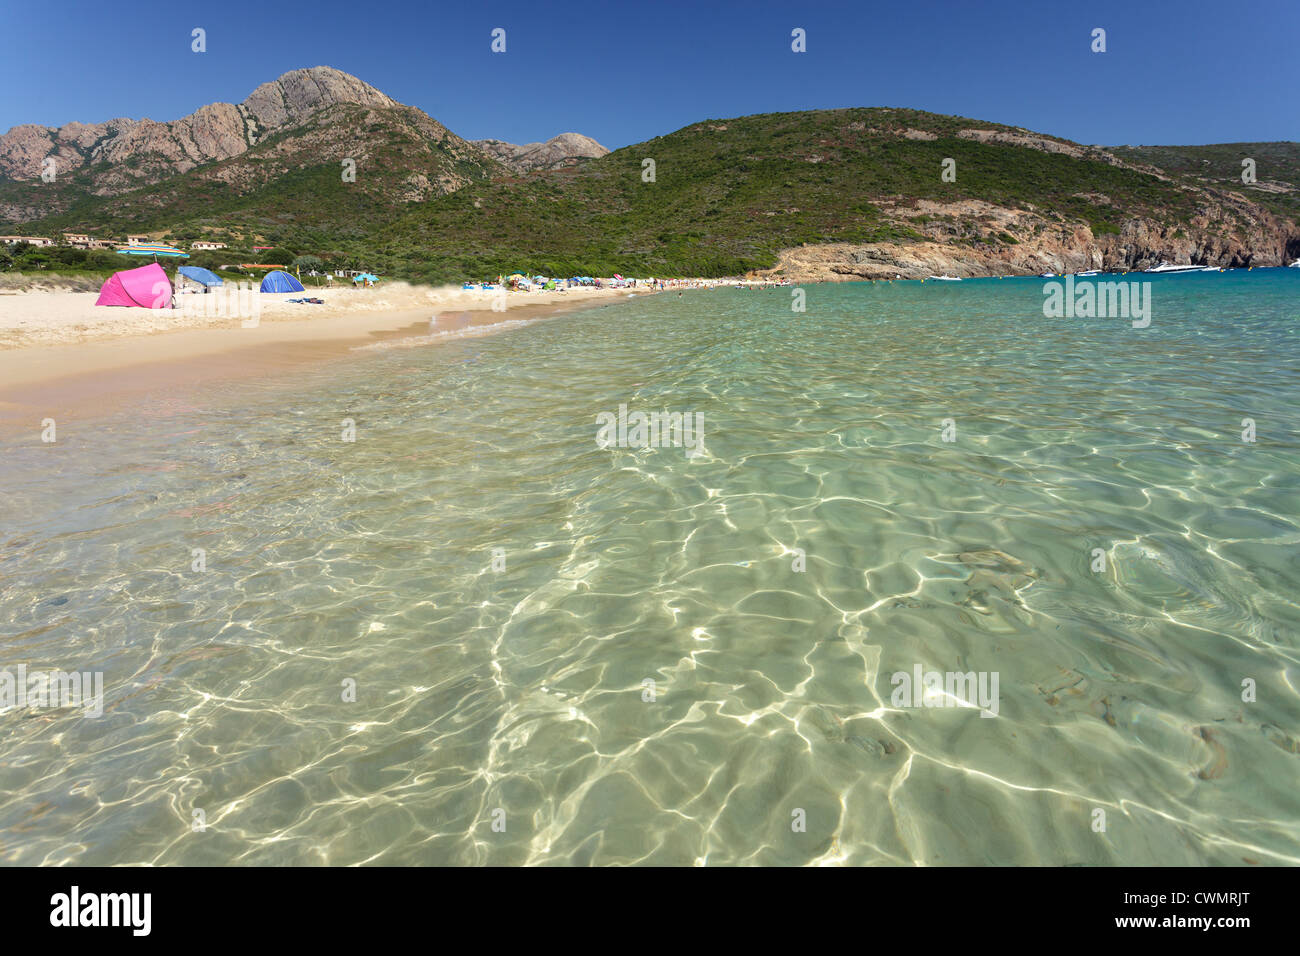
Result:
[
  {"x": 60, "y": 353},
  {"x": 43, "y": 317}
]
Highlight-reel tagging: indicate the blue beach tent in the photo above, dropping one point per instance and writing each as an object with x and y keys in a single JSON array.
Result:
[
  {"x": 201, "y": 276},
  {"x": 278, "y": 281}
]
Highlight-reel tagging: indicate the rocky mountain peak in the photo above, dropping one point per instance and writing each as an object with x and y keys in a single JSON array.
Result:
[
  {"x": 299, "y": 93},
  {"x": 140, "y": 151},
  {"x": 567, "y": 149}
]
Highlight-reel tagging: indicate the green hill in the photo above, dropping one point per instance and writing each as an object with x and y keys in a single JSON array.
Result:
[
  {"x": 728, "y": 196},
  {"x": 289, "y": 189},
  {"x": 1277, "y": 169}
]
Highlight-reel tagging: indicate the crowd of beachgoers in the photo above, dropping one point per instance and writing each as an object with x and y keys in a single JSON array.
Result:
[{"x": 521, "y": 282}]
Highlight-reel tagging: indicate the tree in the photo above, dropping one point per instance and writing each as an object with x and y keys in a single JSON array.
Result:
[{"x": 309, "y": 263}]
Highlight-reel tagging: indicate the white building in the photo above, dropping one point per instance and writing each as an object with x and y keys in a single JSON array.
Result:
[{"x": 79, "y": 240}]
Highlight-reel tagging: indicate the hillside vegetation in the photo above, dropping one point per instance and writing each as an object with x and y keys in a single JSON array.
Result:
[
  {"x": 291, "y": 184},
  {"x": 727, "y": 195},
  {"x": 1277, "y": 169}
]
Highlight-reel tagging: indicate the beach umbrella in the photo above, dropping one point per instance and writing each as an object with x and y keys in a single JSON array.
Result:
[{"x": 170, "y": 252}]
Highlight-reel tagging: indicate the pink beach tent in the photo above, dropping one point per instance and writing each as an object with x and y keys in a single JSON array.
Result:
[{"x": 146, "y": 287}]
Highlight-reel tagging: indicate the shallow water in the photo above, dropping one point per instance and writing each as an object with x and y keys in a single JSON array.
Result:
[{"x": 482, "y": 688}]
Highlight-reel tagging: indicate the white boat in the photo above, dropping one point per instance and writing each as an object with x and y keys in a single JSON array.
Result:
[
  {"x": 1094, "y": 272},
  {"x": 1169, "y": 267},
  {"x": 1047, "y": 275},
  {"x": 946, "y": 278},
  {"x": 1294, "y": 265}
]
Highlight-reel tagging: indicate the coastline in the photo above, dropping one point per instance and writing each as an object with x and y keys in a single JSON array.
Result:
[{"x": 106, "y": 366}]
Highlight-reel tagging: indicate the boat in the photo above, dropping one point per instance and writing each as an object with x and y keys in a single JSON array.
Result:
[
  {"x": 1047, "y": 275},
  {"x": 1169, "y": 267},
  {"x": 945, "y": 278},
  {"x": 1094, "y": 272},
  {"x": 1294, "y": 265}
]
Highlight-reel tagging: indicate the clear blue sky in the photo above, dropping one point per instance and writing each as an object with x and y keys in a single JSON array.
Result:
[{"x": 1197, "y": 71}]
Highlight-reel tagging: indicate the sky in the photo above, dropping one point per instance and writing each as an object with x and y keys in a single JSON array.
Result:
[{"x": 1195, "y": 71}]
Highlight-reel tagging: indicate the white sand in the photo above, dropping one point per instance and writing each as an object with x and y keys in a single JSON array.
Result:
[
  {"x": 46, "y": 318},
  {"x": 61, "y": 355}
]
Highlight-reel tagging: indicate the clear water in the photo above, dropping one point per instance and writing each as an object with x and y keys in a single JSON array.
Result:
[{"x": 522, "y": 690}]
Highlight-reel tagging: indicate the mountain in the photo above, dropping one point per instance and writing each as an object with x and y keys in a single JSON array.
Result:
[
  {"x": 567, "y": 149},
  {"x": 842, "y": 194},
  {"x": 123, "y": 154},
  {"x": 276, "y": 160},
  {"x": 823, "y": 194}
]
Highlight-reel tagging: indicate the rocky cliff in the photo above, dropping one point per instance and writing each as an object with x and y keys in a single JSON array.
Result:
[
  {"x": 1232, "y": 226},
  {"x": 971, "y": 238},
  {"x": 303, "y": 118},
  {"x": 126, "y": 153}
]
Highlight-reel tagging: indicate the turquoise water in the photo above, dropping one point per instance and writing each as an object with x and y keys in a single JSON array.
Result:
[{"x": 519, "y": 687}]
